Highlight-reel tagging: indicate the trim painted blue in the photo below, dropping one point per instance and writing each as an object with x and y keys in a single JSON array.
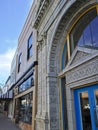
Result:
[
  {"x": 92, "y": 103},
  {"x": 77, "y": 111}
]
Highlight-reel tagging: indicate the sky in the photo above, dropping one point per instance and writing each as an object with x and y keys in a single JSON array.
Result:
[{"x": 13, "y": 14}]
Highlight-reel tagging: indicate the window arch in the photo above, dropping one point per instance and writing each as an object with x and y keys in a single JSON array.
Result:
[{"x": 84, "y": 33}]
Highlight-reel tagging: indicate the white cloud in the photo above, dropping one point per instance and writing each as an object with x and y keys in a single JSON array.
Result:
[
  {"x": 5, "y": 63},
  {"x": 11, "y": 41}
]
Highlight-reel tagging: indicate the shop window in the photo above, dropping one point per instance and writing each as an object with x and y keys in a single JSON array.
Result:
[
  {"x": 25, "y": 112},
  {"x": 64, "y": 56},
  {"x": 26, "y": 84},
  {"x": 85, "y": 32},
  {"x": 29, "y": 47},
  {"x": 19, "y": 62}
]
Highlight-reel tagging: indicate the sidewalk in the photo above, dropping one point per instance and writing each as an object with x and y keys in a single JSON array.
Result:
[{"x": 6, "y": 124}]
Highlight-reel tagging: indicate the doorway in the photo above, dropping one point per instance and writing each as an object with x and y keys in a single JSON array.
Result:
[{"x": 86, "y": 108}]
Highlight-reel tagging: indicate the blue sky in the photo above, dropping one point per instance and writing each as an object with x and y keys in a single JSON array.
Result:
[{"x": 13, "y": 14}]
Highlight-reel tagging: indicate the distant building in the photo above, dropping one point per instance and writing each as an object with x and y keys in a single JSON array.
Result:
[{"x": 6, "y": 99}]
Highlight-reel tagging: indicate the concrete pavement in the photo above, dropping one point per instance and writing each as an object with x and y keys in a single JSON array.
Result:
[{"x": 6, "y": 124}]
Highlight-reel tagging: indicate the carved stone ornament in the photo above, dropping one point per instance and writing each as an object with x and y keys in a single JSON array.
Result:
[
  {"x": 15, "y": 91},
  {"x": 79, "y": 54},
  {"x": 42, "y": 40},
  {"x": 41, "y": 11},
  {"x": 83, "y": 71}
]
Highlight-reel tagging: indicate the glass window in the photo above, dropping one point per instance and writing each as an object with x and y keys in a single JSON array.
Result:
[
  {"x": 64, "y": 56},
  {"x": 25, "y": 112},
  {"x": 85, "y": 111},
  {"x": 94, "y": 29},
  {"x": 85, "y": 32},
  {"x": 27, "y": 84},
  {"x": 29, "y": 48},
  {"x": 87, "y": 37},
  {"x": 19, "y": 61}
]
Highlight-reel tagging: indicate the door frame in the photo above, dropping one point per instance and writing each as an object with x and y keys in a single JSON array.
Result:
[{"x": 91, "y": 96}]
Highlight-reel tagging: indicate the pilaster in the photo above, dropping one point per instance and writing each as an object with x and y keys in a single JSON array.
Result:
[{"x": 42, "y": 116}]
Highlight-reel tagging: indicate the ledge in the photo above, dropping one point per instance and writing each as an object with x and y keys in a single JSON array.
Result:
[{"x": 41, "y": 12}]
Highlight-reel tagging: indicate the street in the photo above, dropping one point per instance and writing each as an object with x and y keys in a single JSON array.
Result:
[{"x": 6, "y": 123}]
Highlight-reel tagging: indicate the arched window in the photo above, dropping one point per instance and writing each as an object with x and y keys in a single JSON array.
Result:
[{"x": 85, "y": 31}]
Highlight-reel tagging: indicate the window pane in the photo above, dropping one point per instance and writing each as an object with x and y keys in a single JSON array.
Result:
[
  {"x": 64, "y": 56},
  {"x": 30, "y": 41},
  {"x": 87, "y": 37},
  {"x": 29, "y": 49},
  {"x": 30, "y": 52},
  {"x": 94, "y": 29},
  {"x": 19, "y": 61},
  {"x": 96, "y": 97},
  {"x": 26, "y": 84},
  {"x": 81, "y": 42},
  {"x": 85, "y": 111},
  {"x": 20, "y": 56},
  {"x": 25, "y": 113},
  {"x": 81, "y": 34}
]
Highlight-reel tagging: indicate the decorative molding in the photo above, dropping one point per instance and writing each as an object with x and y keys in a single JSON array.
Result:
[
  {"x": 15, "y": 91},
  {"x": 80, "y": 53},
  {"x": 42, "y": 40},
  {"x": 41, "y": 11},
  {"x": 86, "y": 70}
]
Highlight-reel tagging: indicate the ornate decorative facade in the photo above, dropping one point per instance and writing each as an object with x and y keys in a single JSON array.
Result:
[
  {"x": 65, "y": 46},
  {"x": 66, "y": 65}
]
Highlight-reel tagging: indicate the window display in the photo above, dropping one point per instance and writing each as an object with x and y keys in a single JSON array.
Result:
[
  {"x": 27, "y": 84},
  {"x": 25, "y": 112}
]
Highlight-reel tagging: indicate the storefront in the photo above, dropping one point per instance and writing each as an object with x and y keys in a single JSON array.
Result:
[
  {"x": 24, "y": 103},
  {"x": 25, "y": 108}
]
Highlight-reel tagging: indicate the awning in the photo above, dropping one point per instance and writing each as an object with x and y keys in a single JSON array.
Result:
[{"x": 7, "y": 96}]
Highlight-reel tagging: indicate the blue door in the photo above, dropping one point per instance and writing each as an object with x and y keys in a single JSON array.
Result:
[{"x": 86, "y": 108}]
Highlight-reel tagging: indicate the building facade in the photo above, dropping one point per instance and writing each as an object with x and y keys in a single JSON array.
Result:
[
  {"x": 23, "y": 75},
  {"x": 54, "y": 72},
  {"x": 67, "y": 42},
  {"x": 6, "y": 99}
]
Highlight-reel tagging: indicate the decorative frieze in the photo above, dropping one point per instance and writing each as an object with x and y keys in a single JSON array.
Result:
[
  {"x": 79, "y": 55},
  {"x": 81, "y": 72}
]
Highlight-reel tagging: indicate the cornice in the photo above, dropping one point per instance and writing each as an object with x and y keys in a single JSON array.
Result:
[{"x": 41, "y": 11}]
